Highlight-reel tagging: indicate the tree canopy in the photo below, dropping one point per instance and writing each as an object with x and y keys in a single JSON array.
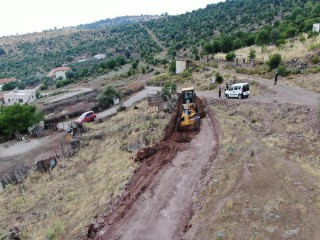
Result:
[{"x": 18, "y": 118}]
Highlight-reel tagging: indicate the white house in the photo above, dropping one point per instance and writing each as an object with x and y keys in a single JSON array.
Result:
[
  {"x": 100, "y": 56},
  {"x": 316, "y": 27},
  {"x": 20, "y": 96},
  {"x": 59, "y": 72}
]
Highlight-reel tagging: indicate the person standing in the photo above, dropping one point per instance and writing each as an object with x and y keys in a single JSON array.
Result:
[
  {"x": 276, "y": 78},
  {"x": 227, "y": 87},
  {"x": 219, "y": 91}
]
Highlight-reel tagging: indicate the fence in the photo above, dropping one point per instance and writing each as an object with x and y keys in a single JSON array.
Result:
[
  {"x": 44, "y": 165},
  {"x": 155, "y": 102}
]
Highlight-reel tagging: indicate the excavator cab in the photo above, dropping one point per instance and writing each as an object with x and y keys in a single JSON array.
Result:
[{"x": 189, "y": 111}]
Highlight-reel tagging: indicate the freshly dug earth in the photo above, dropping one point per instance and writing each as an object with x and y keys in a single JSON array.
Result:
[{"x": 184, "y": 174}]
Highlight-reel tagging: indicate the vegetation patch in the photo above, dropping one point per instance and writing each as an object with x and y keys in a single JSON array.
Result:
[{"x": 59, "y": 205}]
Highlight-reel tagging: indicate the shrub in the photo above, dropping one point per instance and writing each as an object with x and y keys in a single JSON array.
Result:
[
  {"x": 219, "y": 78},
  {"x": 169, "y": 88},
  {"x": 43, "y": 87},
  {"x": 56, "y": 232},
  {"x": 280, "y": 42},
  {"x": 315, "y": 59},
  {"x": 252, "y": 54},
  {"x": 274, "y": 61},
  {"x": 230, "y": 56},
  {"x": 105, "y": 100},
  {"x": 282, "y": 71}
]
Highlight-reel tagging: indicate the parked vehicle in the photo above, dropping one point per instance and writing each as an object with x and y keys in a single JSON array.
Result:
[
  {"x": 238, "y": 90},
  {"x": 87, "y": 117}
]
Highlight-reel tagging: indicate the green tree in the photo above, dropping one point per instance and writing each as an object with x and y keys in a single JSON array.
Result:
[
  {"x": 111, "y": 64},
  {"x": 208, "y": 47},
  {"x": 219, "y": 78},
  {"x": 135, "y": 64},
  {"x": 263, "y": 37},
  {"x": 252, "y": 54},
  {"x": 120, "y": 60},
  {"x": 275, "y": 35},
  {"x": 172, "y": 67},
  {"x": 169, "y": 88},
  {"x": 274, "y": 61},
  {"x": 18, "y": 118},
  {"x": 230, "y": 56},
  {"x": 105, "y": 100}
]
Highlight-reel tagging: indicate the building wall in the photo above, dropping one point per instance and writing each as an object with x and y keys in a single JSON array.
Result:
[
  {"x": 181, "y": 66},
  {"x": 19, "y": 96},
  {"x": 316, "y": 27}
]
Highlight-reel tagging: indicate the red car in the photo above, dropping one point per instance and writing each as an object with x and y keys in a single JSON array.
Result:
[{"x": 87, "y": 117}]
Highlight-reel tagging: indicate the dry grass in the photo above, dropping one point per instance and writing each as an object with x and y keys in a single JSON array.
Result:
[
  {"x": 259, "y": 186},
  {"x": 69, "y": 197},
  {"x": 294, "y": 48}
]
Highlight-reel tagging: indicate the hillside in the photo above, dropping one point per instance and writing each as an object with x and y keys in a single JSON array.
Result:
[
  {"x": 26, "y": 58},
  {"x": 221, "y": 27},
  {"x": 234, "y": 24},
  {"x": 118, "y": 21}
]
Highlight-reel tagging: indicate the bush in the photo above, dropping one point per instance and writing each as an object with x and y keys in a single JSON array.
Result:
[
  {"x": 230, "y": 56},
  {"x": 169, "y": 88},
  {"x": 56, "y": 232},
  {"x": 315, "y": 59},
  {"x": 282, "y": 71},
  {"x": 105, "y": 100},
  {"x": 274, "y": 61},
  {"x": 219, "y": 78},
  {"x": 43, "y": 87},
  {"x": 280, "y": 42}
]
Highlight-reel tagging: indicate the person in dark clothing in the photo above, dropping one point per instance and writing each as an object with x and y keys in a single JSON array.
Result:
[
  {"x": 276, "y": 78},
  {"x": 220, "y": 91},
  {"x": 227, "y": 87}
]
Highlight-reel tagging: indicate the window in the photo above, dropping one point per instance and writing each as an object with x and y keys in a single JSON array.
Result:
[
  {"x": 245, "y": 87},
  {"x": 9, "y": 100},
  {"x": 20, "y": 100}
]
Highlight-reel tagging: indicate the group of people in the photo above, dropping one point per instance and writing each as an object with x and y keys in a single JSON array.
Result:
[{"x": 225, "y": 88}]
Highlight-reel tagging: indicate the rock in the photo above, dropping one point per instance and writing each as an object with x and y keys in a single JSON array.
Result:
[
  {"x": 134, "y": 146},
  {"x": 270, "y": 216},
  {"x": 271, "y": 229},
  {"x": 291, "y": 233}
]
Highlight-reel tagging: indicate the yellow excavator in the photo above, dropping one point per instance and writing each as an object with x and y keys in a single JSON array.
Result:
[{"x": 189, "y": 115}]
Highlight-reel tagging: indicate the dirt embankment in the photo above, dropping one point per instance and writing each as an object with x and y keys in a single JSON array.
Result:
[{"x": 153, "y": 159}]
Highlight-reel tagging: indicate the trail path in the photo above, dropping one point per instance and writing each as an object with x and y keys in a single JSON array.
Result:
[{"x": 154, "y": 38}]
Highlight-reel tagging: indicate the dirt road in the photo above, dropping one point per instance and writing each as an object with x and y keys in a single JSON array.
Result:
[
  {"x": 158, "y": 201},
  {"x": 284, "y": 93},
  {"x": 162, "y": 211}
]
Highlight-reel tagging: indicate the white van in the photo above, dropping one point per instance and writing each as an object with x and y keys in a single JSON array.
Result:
[{"x": 238, "y": 90}]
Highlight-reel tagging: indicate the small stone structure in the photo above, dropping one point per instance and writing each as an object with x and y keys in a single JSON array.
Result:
[
  {"x": 316, "y": 27},
  {"x": 181, "y": 65}
]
